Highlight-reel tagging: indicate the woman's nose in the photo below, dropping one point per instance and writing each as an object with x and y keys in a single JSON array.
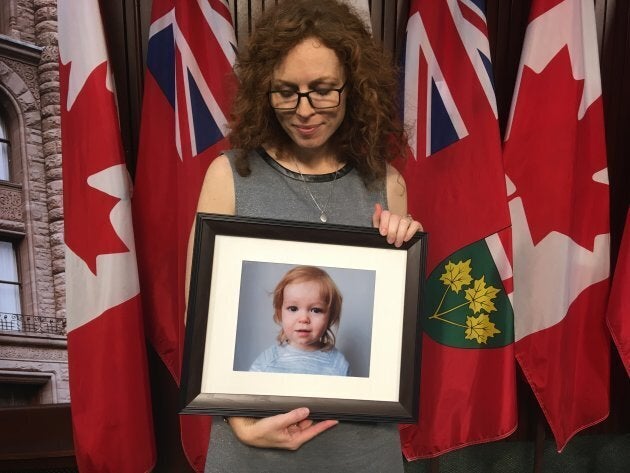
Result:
[{"x": 304, "y": 108}]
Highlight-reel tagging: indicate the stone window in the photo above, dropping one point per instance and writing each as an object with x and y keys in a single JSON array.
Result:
[
  {"x": 5, "y": 152},
  {"x": 5, "y": 16},
  {"x": 15, "y": 264},
  {"x": 10, "y": 139},
  {"x": 10, "y": 305},
  {"x": 26, "y": 388},
  {"x": 19, "y": 394}
]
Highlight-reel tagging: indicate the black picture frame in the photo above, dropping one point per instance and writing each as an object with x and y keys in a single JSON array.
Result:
[{"x": 210, "y": 385}]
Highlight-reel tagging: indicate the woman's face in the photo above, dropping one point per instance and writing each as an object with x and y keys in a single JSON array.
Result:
[
  {"x": 310, "y": 66},
  {"x": 304, "y": 315}
]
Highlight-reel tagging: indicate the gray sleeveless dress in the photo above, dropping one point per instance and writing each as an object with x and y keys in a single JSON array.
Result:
[{"x": 272, "y": 191}]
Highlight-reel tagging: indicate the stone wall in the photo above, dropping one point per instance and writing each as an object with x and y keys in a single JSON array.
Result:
[
  {"x": 48, "y": 74},
  {"x": 41, "y": 360},
  {"x": 32, "y": 204}
]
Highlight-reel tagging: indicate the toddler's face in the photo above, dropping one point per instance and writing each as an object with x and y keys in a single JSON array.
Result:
[{"x": 304, "y": 315}]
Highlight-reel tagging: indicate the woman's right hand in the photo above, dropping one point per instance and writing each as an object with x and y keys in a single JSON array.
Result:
[
  {"x": 286, "y": 431},
  {"x": 396, "y": 228}
]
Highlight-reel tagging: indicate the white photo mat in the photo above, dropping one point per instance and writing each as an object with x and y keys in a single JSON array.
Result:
[{"x": 383, "y": 382}]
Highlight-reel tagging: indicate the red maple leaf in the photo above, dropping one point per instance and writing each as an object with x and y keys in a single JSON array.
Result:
[
  {"x": 91, "y": 143},
  {"x": 551, "y": 156}
]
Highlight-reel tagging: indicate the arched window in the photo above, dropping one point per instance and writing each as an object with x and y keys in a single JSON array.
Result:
[
  {"x": 11, "y": 237},
  {"x": 5, "y": 152}
]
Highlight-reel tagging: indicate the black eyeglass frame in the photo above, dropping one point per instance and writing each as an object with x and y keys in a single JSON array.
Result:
[{"x": 308, "y": 97}]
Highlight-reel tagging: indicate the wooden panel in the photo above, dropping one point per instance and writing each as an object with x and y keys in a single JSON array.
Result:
[
  {"x": 113, "y": 14},
  {"x": 402, "y": 15},
  {"x": 376, "y": 14},
  {"x": 36, "y": 437},
  {"x": 388, "y": 26},
  {"x": 388, "y": 19},
  {"x": 616, "y": 94},
  {"x": 507, "y": 22},
  {"x": 600, "y": 16},
  {"x": 126, "y": 25},
  {"x": 255, "y": 9}
]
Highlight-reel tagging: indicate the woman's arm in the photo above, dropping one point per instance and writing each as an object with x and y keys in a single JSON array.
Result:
[
  {"x": 216, "y": 196},
  {"x": 395, "y": 224},
  {"x": 217, "y": 191}
]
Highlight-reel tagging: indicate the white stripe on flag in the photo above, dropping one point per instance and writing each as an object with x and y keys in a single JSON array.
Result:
[
  {"x": 189, "y": 64},
  {"x": 221, "y": 28}
]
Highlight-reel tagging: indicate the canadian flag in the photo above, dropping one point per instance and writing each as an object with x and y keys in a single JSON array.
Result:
[
  {"x": 109, "y": 386},
  {"x": 555, "y": 161}
]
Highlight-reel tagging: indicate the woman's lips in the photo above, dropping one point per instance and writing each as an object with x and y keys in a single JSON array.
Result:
[{"x": 305, "y": 130}]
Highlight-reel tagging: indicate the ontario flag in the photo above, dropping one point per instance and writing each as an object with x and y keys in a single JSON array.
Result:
[
  {"x": 555, "y": 161},
  {"x": 456, "y": 187},
  {"x": 618, "y": 307},
  {"x": 109, "y": 385},
  {"x": 188, "y": 87}
]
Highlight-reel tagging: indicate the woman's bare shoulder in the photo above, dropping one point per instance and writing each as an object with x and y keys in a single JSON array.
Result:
[{"x": 217, "y": 190}]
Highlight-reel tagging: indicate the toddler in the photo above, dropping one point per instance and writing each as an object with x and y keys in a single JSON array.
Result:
[{"x": 306, "y": 305}]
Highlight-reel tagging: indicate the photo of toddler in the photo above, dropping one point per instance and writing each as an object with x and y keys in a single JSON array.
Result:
[{"x": 307, "y": 305}]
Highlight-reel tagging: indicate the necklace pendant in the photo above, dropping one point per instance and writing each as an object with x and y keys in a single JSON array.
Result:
[{"x": 323, "y": 217}]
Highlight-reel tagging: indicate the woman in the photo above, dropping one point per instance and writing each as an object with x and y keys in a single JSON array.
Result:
[{"x": 314, "y": 126}]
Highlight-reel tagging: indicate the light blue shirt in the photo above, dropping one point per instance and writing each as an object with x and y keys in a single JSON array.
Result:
[{"x": 287, "y": 359}]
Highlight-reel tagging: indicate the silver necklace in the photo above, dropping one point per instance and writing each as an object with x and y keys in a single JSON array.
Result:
[{"x": 322, "y": 210}]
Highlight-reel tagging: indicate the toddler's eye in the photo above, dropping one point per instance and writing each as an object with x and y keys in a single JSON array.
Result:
[
  {"x": 317, "y": 310},
  {"x": 292, "y": 308}
]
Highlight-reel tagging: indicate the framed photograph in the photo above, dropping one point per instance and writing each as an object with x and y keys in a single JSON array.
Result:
[{"x": 288, "y": 314}]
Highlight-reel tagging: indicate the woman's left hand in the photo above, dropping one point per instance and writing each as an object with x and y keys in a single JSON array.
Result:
[
  {"x": 396, "y": 228},
  {"x": 287, "y": 431}
]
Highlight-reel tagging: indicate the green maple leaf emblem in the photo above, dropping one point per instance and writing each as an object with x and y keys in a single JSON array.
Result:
[{"x": 465, "y": 303}]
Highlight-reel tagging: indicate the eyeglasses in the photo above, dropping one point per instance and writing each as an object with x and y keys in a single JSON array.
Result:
[{"x": 319, "y": 99}]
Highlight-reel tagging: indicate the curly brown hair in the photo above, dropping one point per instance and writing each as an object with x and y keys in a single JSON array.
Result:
[{"x": 371, "y": 133}]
